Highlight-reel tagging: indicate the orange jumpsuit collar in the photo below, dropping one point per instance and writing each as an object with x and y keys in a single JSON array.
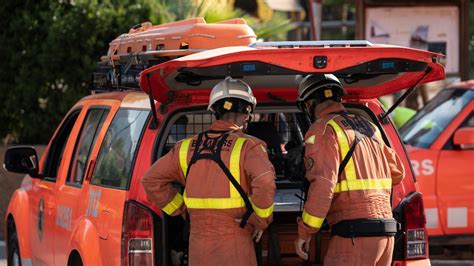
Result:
[
  {"x": 220, "y": 125},
  {"x": 331, "y": 109}
]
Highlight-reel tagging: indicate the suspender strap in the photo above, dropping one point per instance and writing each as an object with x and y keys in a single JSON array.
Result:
[
  {"x": 348, "y": 156},
  {"x": 361, "y": 129},
  {"x": 358, "y": 125},
  {"x": 215, "y": 155},
  {"x": 241, "y": 191}
]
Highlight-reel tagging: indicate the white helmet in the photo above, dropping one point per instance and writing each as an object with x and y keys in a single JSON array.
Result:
[{"x": 231, "y": 88}]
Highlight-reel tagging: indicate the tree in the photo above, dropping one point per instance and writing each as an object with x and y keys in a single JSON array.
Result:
[{"x": 49, "y": 49}]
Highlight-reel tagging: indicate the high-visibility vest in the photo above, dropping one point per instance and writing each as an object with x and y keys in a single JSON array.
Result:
[
  {"x": 234, "y": 200},
  {"x": 352, "y": 182}
]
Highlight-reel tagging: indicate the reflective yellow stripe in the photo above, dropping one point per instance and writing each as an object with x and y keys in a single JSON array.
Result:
[
  {"x": 312, "y": 220},
  {"x": 262, "y": 213},
  {"x": 234, "y": 200},
  {"x": 344, "y": 147},
  {"x": 174, "y": 204},
  {"x": 310, "y": 139},
  {"x": 363, "y": 184},
  {"x": 213, "y": 203},
  {"x": 183, "y": 155},
  {"x": 234, "y": 165}
]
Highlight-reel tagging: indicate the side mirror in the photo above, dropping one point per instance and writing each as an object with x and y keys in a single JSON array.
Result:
[
  {"x": 464, "y": 137},
  {"x": 22, "y": 159}
]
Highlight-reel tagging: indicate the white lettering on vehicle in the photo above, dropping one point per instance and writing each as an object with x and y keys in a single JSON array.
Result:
[
  {"x": 93, "y": 204},
  {"x": 64, "y": 217},
  {"x": 425, "y": 168}
]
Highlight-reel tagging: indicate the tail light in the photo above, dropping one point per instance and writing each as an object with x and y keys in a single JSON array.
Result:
[
  {"x": 137, "y": 236},
  {"x": 412, "y": 242},
  {"x": 415, "y": 238}
]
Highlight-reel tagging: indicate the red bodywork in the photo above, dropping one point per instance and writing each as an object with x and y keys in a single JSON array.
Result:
[{"x": 103, "y": 238}]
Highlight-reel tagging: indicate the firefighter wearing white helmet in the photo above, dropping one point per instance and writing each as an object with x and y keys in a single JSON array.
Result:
[
  {"x": 231, "y": 96},
  {"x": 229, "y": 182},
  {"x": 351, "y": 172}
]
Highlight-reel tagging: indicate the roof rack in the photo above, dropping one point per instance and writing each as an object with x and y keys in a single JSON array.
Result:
[
  {"x": 146, "y": 45},
  {"x": 302, "y": 44},
  {"x": 146, "y": 56}
]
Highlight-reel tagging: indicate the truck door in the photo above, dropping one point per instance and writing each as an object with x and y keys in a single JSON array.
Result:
[
  {"x": 42, "y": 196},
  {"x": 455, "y": 182},
  {"x": 109, "y": 183},
  {"x": 72, "y": 189}
]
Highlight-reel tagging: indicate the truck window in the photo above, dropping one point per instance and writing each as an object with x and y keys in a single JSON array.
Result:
[
  {"x": 118, "y": 151},
  {"x": 90, "y": 128},
  {"x": 56, "y": 149},
  {"x": 425, "y": 127},
  {"x": 468, "y": 122}
]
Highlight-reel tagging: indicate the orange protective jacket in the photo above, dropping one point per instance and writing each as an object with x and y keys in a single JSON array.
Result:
[
  {"x": 212, "y": 202},
  {"x": 362, "y": 191}
]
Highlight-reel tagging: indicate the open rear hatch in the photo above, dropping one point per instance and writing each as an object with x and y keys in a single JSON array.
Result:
[{"x": 272, "y": 69}]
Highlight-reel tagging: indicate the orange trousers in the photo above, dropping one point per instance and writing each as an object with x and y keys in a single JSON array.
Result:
[
  {"x": 365, "y": 251},
  {"x": 216, "y": 239}
]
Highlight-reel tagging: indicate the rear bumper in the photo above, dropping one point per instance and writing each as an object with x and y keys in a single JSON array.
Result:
[
  {"x": 451, "y": 240},
  {"x": 425, "y": 262}
]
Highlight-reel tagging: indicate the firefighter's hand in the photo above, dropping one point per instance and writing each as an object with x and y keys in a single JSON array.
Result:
[
  {"x": 302, "y": 248},
  {"x": 256, "y": 234}
]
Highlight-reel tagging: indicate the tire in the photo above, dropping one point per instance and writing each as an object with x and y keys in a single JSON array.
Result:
[
  {"x": 13, "y": 256},
  {"x": 74, "y": 259}
]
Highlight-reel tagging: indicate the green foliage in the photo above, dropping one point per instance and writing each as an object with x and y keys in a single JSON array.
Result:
[
  {"x": 218, "y": 10},
  {"x": 48, "y": 51}
]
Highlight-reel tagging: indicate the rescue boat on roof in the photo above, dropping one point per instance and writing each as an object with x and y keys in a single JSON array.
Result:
[
  {"x": 190, "y": 35},
  {"x": 146, "y": 45}
]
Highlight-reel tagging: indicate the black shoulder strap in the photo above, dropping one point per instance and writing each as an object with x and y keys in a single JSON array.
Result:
[
  {"x": 215, "y": 155},
  {"x": 348, "y": 156},
  {"x": 368, "y": 132}
]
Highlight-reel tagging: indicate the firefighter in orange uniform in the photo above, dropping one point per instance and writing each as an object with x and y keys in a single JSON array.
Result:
[
  {"x": 351, "y": 192},
  {"x": 229, "y": 182}
]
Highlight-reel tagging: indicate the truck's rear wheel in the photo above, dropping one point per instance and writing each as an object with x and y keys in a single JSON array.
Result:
[
  {"x": 74, "y": 259},
  {"x": 13, "y": 258}
]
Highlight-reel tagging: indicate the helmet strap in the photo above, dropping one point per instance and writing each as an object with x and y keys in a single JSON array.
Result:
[
  {"x": 312, "y": 111},
  {"x": 309, "y": 111}
]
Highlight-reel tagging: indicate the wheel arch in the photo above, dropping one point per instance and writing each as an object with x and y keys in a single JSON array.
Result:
[
  {"x": 17, "y": 218},
  {"x": 85, "y": 241}
]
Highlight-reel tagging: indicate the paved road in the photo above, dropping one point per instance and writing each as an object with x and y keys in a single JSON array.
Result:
[
  {"x": 450, "y": 262},
  {"x": 3, "y": 261}
]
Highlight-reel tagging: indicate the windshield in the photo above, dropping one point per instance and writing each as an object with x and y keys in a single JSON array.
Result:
[{"x": 429, "y": 122}]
